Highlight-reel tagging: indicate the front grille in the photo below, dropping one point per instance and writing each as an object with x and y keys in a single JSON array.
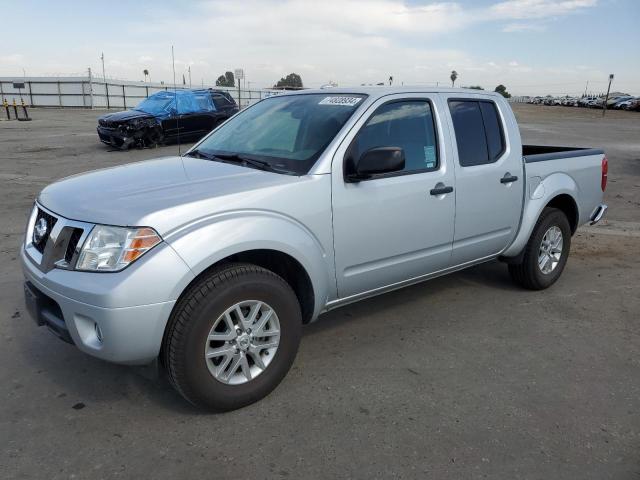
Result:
[
  {"x": 108, "y": 124},
  {"x": 51, "y": 221},
  {"x": 73, "y": 243},
  {"x": 57, "y": 249}
]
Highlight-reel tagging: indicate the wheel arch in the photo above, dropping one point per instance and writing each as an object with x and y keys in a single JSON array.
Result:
[
  {"x": 558, "y": 191},
  {"x": 278, "y": 262},
  {"x": 567, "y": 204},
  {"x": 278, "y": 244}
]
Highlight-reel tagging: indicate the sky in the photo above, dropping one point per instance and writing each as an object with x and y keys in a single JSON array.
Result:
[{"x": 534, "y": 47}]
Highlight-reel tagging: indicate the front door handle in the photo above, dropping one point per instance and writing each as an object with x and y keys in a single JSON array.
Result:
[
  {"x": 440, "y": 189},
  {"x": 508, "y": 178}
]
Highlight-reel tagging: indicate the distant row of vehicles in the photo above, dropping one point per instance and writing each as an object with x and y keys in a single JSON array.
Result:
[{"x": 616, "y": 101}]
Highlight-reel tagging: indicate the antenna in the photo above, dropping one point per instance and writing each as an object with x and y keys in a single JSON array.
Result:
[{"x": 175, "y": 96}]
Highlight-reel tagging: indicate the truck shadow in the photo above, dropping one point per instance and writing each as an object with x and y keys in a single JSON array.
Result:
[
  {"x": 491, "y": 275},
  {"x": 81, "y": 381}
]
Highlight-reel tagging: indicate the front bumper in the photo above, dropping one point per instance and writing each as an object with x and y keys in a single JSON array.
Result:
[
  {"x": 119, "y": 317},
  {"x": 114, "y": 137}
]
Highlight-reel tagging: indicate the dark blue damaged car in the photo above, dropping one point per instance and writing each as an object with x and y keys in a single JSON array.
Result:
[{"x": 166, "y": 116}]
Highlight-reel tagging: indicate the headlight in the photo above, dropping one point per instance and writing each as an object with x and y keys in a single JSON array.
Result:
[{"x": 110, "y": 249}]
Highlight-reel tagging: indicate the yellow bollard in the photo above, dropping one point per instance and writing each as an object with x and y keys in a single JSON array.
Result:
[{"x": 24, "y": 109}]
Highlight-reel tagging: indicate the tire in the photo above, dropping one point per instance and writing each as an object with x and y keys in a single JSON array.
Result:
[
  {"x": 210, "y": 303},
  {"x": 529, "y": 274}
]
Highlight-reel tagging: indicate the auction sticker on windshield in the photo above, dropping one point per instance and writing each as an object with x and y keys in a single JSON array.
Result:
[{"x": 344, "y": 101}]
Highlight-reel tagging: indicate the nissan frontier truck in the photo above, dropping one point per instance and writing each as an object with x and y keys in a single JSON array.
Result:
[{"x": 211, "y": 262}]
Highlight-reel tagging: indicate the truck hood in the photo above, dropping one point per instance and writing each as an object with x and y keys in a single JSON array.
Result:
[{"x": 165, "y": 193}]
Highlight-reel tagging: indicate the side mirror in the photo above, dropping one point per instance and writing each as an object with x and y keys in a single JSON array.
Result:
[{"x": 376, "y": 161}]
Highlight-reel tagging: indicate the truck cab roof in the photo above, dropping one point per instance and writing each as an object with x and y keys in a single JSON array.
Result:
[{"x": 381, "y": 91}]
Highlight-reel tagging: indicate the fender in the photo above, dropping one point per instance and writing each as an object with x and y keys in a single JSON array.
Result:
[
  {"x": 214, "y": 238},
  {"x": 538, "y": 196}
]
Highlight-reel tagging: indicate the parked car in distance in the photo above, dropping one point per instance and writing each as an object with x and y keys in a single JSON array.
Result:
[
  {"x": 632, "y": 104},
  {"x": 212, "y": 261},
  {"x": 622, "y": 102},
  {"x": 570, "y": 102},
  {"x": 167, "y": 116},
  {"x": 586, "y": 101},
  {"x": 613, "y": 100}
]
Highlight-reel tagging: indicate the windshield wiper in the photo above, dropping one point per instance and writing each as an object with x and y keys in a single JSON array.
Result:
[
  {"x": 237, "y": 158},
  {"x": 199, "y": 154},
  {"x": 246, "y": 161}
]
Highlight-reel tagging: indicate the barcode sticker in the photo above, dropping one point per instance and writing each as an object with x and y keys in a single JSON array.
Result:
[
  {"x": 430, "y": 156},
  {"x": 342, "y": 101}
]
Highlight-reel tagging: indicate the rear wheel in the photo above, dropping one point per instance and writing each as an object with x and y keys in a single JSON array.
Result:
[
  {"x": 546, "y": 253},
  {"x": 232, "y": 337}
]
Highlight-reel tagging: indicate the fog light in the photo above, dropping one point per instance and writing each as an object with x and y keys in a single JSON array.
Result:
[{"x": 96, "y": 327}]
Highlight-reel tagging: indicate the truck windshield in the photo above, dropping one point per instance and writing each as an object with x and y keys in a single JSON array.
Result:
[{"x": 288, "y": 132}]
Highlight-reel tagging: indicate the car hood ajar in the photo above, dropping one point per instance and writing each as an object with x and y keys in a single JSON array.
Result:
[{"x": 164, "y": 194}]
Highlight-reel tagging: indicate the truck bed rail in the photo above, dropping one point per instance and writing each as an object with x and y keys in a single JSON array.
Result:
[{"x": 542, "y": 153}]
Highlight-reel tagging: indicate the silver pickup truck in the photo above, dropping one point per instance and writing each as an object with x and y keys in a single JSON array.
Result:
[{"x": 211, "y": 262}]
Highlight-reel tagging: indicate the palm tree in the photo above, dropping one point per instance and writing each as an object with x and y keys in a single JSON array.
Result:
[
  {"x": 454, "y": 76},
  {"x": 146, "y": 74}
]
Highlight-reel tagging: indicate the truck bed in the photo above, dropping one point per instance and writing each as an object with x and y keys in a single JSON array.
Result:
[{"x": 541, "y": 153}]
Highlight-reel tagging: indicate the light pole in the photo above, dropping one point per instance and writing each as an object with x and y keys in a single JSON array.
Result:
[
  {"x": 104, "y": 76},
  {"x": 606, "y": 99}
]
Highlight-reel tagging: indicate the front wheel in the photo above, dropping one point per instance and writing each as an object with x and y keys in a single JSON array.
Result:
[
  {"x": 545, "y": 255},
  {"x": 232, "y": 337}
]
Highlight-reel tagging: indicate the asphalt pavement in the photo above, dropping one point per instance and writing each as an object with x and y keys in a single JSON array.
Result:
[{"x": 465, "y": 376}]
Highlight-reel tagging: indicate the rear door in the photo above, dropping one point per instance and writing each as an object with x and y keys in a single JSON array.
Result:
[
  {"x": 489, "y": 177},
  {"x": 390, "y": 228}
]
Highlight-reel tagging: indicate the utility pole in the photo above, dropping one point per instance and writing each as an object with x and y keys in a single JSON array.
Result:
[
  {"x": 606, "y": 99},
  {"x": 104, "y": 78},
  {"x": 189, "y": 76},
  {"x": 586, "y": 88},
  {"x": 90, "y": 89}
]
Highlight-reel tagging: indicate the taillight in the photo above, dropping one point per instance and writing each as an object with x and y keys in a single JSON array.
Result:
[{"x": 605, "y": 171}]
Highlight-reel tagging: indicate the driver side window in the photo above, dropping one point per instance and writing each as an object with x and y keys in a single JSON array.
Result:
[{"x": 407, "y": 124}]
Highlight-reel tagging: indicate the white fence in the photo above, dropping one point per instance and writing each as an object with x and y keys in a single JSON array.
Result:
[{"x": 87, "y": 92}]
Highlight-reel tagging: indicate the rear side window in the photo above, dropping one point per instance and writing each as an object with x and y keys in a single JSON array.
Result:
[
  {"x": 478, "y": 130},
  {"x": 493, "y": 129},
  {"x": 220, "y": 100}
]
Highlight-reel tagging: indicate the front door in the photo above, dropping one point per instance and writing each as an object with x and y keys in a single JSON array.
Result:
[{"x": 394, "y": 227}]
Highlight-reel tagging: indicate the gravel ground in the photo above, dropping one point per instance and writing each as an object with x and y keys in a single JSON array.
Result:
[{"x": 464, "y": 376}]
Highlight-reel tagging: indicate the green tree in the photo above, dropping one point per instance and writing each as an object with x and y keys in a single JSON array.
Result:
[
  {"x": 293, "y": 80},
  {"x": 502, "y": 90},
  {"x": 453, "y": 77},
  {"x": 146, "y": 74},
  {"x": 226, "y": 80}
]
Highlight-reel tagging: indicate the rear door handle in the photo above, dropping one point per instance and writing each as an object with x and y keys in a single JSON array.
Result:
[
  {"x": 508, "y": 178},
  {"x": 440, "y": 189}
]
